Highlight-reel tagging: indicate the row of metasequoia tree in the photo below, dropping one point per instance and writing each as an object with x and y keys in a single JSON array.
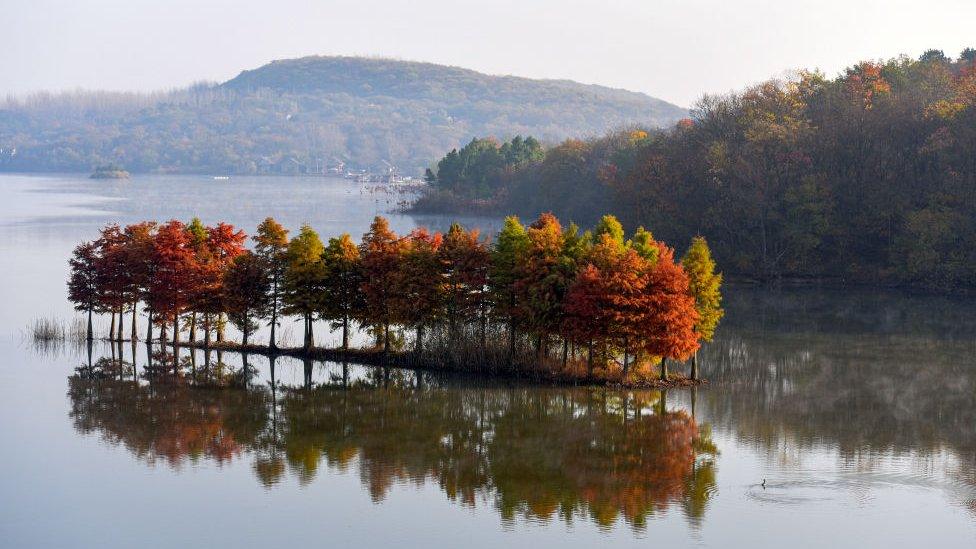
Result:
[{"x": 596, "y": 293}]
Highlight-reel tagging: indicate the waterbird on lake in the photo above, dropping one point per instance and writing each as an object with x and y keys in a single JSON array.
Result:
[{"x": 763, "y": 484}]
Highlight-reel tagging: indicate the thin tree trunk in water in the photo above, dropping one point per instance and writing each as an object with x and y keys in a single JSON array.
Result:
[
  {"x": 162, "y": 331},
  {"x": 244, "y": 332},
  {"x": 176, "y": 330},
  {"x": 386, "y": 337},
  {"x": 149, "y": 357},
  {"x": 149, "y": 321},
  {"x": 122, "y": 358},
  {"x": 91, "y": 334},
  {"x": 121, "y": 315},
  {"x": 193, "y": 327},
  {"x": 111, "y": 330},
  {"x": 135, "y": 308},
  {"x": 206, "y": 331},
  {"x": 220, "y": 327},
  {"x": 311, "y": 332},
  {"x": 272, "y": 343},
  {"x": 420, "y": 339},
  {"x": 345, "y": 332},
  {"x": 694, "y": 366},
  {"x": 134, "y": 368},
  {"x": 89, "y": 356},
  {"x": 565, "y": 353},
  {"x": 664, "y": 368}
]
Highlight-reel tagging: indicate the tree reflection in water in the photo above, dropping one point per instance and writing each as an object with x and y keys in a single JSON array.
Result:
[{"x": 531, "y": 452}]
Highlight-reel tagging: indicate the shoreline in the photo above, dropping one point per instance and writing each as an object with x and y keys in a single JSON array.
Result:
[{"x": 408, "y": 360}]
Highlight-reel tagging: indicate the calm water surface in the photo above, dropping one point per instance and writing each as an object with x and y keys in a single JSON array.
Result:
[{"x": 857, "y": 407}]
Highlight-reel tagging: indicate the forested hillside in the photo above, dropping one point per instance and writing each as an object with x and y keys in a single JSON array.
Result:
[
  {"x": 868, "y": 176},
  {"x": 301, "y": 115}
]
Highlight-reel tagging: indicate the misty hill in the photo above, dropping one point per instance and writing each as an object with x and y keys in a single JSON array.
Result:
[{"x": 299, "y": 115}]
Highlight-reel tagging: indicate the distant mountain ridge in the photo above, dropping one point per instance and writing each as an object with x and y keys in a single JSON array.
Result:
[
  {"x": 301, "y": 115},
  {"x": 419, "y": 80}
]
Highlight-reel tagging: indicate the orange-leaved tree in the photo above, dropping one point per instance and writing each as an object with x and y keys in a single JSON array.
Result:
[
  {"x": 669, "y": 325},
  {"x": 380, "y": 254}
]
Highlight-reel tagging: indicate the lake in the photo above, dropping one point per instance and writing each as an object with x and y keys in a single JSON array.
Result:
[{"x": 857, "y": 407}]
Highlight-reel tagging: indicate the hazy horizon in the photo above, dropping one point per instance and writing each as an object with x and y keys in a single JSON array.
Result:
[{"x": 672, "y": 50}]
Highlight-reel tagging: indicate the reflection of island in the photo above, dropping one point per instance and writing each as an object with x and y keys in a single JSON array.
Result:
[{"x": 537, "y": 453}]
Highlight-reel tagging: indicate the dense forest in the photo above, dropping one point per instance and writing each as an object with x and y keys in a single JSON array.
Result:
[
  {"x": 869, "y": 176},
  {"x": 301, "y": 115}
]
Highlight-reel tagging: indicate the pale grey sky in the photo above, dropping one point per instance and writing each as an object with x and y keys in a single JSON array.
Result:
[{"x": 672, "y": 49}]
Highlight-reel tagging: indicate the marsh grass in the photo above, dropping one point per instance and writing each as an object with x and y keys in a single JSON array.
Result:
[{"x": 56, "y": 329}]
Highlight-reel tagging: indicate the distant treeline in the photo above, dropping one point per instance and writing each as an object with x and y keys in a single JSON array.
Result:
[
  {"x": 868, "y": 177},
  {"x": 297, "y": 116},
  {"x": 471, "y": 304}
]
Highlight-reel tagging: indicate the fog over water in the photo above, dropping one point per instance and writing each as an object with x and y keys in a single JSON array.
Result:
[{"x": 856, "y": 406}]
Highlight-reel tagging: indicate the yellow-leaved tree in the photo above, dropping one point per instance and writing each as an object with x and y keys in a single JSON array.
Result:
[{"x": 705, "y": 287}]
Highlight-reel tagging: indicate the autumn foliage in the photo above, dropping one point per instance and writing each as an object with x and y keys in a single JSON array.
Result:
[{"x": 545, "y": 298}]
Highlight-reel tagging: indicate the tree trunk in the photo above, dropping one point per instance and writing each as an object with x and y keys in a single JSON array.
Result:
[
  {"x": 135, "y": 308},
  {"x": 420, "y": 339},
  {"x": 121, "y": 335},
  {"x": 149, "y": 316},
  {"x": 220, "y": 327},
  {"x": 206, "y": 331},
  {"x": 272, "y": 343},
  {"x": 91, "y": 334},
  {"x": 664, "y": 368},
  {"x": 305, "y": 341},
  {"x": 176, "y": 330},
  {"x": 111, "y": 330},
  {"x": 192, "y": 338},
  {"x": 311, "y": 331},
  {"x": 345, "y": 332},
  {"x": 694, "y": 366},
  {"x": 565, "y": 353},
  {"x": 386, "y": 337}
]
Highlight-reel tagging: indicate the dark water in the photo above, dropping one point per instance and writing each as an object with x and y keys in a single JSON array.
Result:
[{"x": 857, "y": 407}]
